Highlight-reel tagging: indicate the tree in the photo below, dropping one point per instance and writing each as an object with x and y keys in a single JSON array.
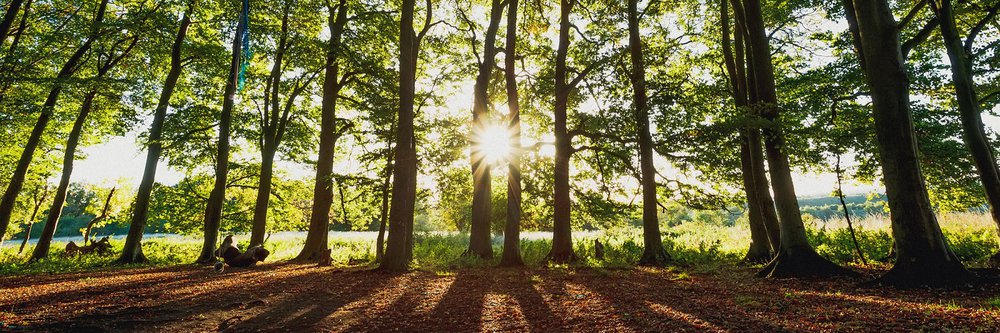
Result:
[
  {"x": 213, "y": 209},
  {"x": 8, "y": 18},
  {"x": 110, "y": 60},
  {"x": 480, "y": 244},
  {"x": 760, "y": 206},
  {"x": 512, "y": 228},
  {"x": 922, "y": 254},
  {"x": 961, "y": 57},
  {"x": 399, "y": 244},
  {"x": 795, "y": 257},
  {"x": 132, "y": 250},
  {"x": 67, "y": 70},
  {"x": 319, "y": 220},
  {"x": 38, "y": 197},
  {"x": 653, "y": 253},
  {"x": 276, "y": 116}
]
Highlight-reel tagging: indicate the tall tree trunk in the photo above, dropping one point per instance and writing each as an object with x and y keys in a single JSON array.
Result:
[
  {"x": 259, "y": 226},
  {"x": 968, "y": 107},
  {"x": 216, "y": 200},
  {"x": 8, "y": 19},
  {"x": 512, "y": 228},
  {"x": 38, "y": 201},
  {"x": 9, "y": 198},
  {"x": 760, "y": 250},
  {"x": 562, "y": 238},
  {"x": 272, "y": 123},
  {"x": 319, "y": 219},
  {"x": 9, "y": 58},
  {"x": 55, "y": 211},
  {"x": 384, "y": 210},
  {"x": 653, "y": 253},
  {"x": 480, "y": 244},
  {"x": 795, "y": 257},
  {"x": 132, "y": 250},
  {"x": 399, "y": 244},
  {"x": 922, "y": 254}
]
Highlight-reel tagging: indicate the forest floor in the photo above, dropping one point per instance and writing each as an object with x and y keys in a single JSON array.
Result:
[{"x": 296, "y": 298}]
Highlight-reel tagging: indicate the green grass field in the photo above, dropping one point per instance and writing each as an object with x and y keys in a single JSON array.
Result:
[{"x": 972, "y": 236}]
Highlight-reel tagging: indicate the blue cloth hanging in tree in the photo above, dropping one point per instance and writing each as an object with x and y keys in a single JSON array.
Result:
[{"x": 246, "y": 53}]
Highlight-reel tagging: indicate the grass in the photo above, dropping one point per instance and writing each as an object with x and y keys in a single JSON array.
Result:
[{"x": 698, "y": 245}]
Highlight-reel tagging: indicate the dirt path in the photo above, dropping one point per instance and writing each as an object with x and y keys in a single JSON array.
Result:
[{"x": 297, "y": 298}]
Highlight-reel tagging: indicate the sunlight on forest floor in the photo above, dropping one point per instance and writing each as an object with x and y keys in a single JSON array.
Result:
[{"x": 305, "y": 297}]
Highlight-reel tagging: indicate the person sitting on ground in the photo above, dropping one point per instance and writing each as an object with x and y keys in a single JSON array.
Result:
[{"x": 233, "y": 257}]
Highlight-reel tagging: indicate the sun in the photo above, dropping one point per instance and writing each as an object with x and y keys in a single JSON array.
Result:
[{"x": 492, "y": 143}]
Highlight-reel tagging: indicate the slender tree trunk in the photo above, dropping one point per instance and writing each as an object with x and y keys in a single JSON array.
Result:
[
  {"x": 653, "y": 253},
  {"x": 259, "y": 226},
  {"x": 760, "y": 250},
  {"x": 319, "y": 219},
  {"x": 399, "y": 244},
  {"x": 968, "y": 107},
  {"x": 213, "y": 209},
  {"x": 512, "y": 228},
  {"x": 562, "y": 238},
  {"x": 9, "y": 198},
  {"x": 34, "y": 213},
  {"x": 8, "y": 19},
  {"x": 922, "y": 254},
  {"x": 132, "y": 250},
  {"x": 480, "y": 244},
  {"x": 9, "y": 58},
  {"x": 272, "y": 123},
  {"x": 795, "y": 257},
  {"x": 55, "y": 211},
  {"x": 383, "y": 219}
]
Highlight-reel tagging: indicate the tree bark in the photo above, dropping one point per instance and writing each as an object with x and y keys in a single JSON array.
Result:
[
  {"x": 319, "y": 219},
  {"x": 132, "y": 250},
  {"x": 653, "y": 253},
  {"x": 795, "y": 257},
  {"x": 512, "y": 227},
  {"x": 213, "y": 209},
  {"x": 273, "y": 122},
  {"x": 922, "y": 254},
  {"x": 399, "y": 244},
  {"x": 8, "y": 19},
  {"x": 69, "y": 155},
  {"x": 968, "y": 106},
  {"x": 480, "y": 244},
  {"x": 562, "y": 238},
  {"x": 760, "y": 250},
  {"x": 9, "y": 198}
]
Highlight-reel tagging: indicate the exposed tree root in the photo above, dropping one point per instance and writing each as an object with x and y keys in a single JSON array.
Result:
[
  {"x": 654, "y": 257},
  {"x": 802, "y": 263},
  {"x": 907, "y": 274},
  {"x": 139, "y": 258},
  {"x": 757, "y": 255},
  {"x": 561, "y": 256}
]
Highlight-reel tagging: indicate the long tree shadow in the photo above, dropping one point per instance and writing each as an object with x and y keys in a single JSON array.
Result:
[
  {"x": 304, "y": 309},
  {"x": 461, "y": 307},
  {"x": 194, "y": 311},
  {"x": 538, "y": 315},
  {"x": 654, "y": 301}
]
